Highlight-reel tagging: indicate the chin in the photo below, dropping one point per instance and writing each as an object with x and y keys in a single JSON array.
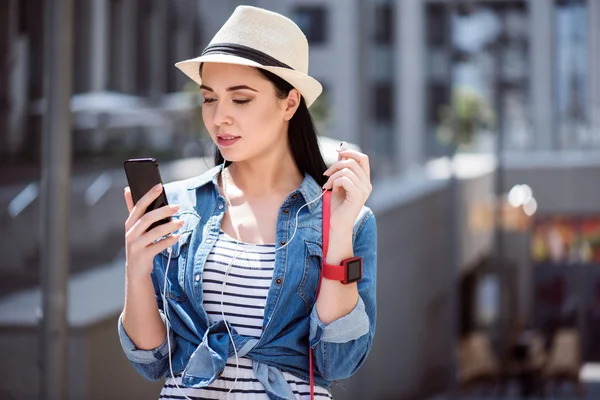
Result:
[{"x": 230, "y": 155}]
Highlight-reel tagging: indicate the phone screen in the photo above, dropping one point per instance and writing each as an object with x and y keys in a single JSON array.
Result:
[{"x": 142, "y": 176}]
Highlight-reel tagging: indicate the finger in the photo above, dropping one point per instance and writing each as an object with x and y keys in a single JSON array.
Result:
[
  {"x": 128, "y": 199},
  {"x": 361, "y": 158},
  {"x": 348, "y": 185},
  {"x": 160, "y": 231},
  {"x": 349, "y": 163},
  {"x": 346, "y": 172},
  {"x": 337, "y": 175},
  {"x": 164, "y": 244},
  {"x": 153, "y": 216},
  {"x": 140, "y": 207}
]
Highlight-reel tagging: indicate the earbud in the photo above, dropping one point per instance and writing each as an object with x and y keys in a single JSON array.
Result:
[{"x": 343, "y": 146}]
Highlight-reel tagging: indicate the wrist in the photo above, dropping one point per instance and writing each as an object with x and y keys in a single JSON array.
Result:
[
  {"x": 135, "y": 279},
  {"x": 340, "y": 247}
]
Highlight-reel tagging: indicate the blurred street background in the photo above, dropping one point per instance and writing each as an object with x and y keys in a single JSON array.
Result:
[{"x": 482, "y": 122}]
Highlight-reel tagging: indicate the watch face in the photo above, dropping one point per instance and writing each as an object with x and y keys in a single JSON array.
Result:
[{"x": 354, "y": 271}]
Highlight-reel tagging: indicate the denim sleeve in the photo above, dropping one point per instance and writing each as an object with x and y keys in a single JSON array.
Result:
[
  {"x": 151, "y": 364},
  {"x": 341, "y": 347}
]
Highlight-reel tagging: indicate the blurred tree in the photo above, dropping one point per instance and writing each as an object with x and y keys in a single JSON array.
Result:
[
  {"x": 321, "y": 113},
  {"x": 460, "y": 122},
  {"x": 197, "y": 140}
]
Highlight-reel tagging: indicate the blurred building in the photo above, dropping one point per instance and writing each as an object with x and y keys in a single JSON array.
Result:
[
  {"x": 126, "y": 93},
  {"x": 411, "y": 82},
  {"x": 389, "y": 69}
]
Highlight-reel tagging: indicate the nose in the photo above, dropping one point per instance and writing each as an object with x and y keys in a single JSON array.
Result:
[{"x": 221, "y": 115}]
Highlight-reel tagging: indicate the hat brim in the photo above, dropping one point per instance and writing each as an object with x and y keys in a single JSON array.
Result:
[{"x": 308, "y": 86}]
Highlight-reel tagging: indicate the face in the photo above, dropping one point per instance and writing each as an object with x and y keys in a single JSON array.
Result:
[{"x": 242, "y": 112}]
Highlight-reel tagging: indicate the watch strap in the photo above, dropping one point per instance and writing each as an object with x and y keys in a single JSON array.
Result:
[{"x": 335, "y": 272}]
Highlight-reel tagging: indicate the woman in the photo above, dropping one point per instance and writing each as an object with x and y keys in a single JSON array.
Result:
[{"x": 238, "y": 282}]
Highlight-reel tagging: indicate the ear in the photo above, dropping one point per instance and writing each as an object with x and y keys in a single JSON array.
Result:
[{"x": 291, "y": 104}]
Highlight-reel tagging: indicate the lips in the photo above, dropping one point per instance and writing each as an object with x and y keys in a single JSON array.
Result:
[{"x": 227, "y": 140}]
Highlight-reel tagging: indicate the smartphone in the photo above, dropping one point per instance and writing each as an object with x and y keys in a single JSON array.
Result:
[{"x": 142, "y": 175}]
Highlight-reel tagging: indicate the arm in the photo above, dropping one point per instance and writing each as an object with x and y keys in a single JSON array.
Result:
[
  {"x": 342, "y": 323},
  {"x": 141, "y": 318},
  {"x": 142, "y": 329},
  {"x": 141, "y": 326}
]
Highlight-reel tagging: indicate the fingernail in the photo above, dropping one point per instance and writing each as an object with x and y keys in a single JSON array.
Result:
[
  {"x": 175, "y": 207},
  {"x": 157, "y": 187}
]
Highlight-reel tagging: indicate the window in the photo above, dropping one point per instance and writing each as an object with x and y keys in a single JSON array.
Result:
[
  {"x": 384, "y": 24},
  {"x": 571, "y": 74},
  {"x": 383, "y": 101},
  {"x": 81, "y": 52},
  {"x": 116, "y": 43},
  {"x": 437, "y": 24},
  {"x": 174, "y": 19},
  {"x": 312, "y": 21},
  {"x": 438, "y": 95},
  {"x": 143, "y": 50}
]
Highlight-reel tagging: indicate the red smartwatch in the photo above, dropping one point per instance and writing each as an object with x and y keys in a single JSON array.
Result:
[{"x": 349, "y": 270}]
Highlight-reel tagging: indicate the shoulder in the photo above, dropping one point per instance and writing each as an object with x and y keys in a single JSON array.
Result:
[{"x": 186, "y": 190}]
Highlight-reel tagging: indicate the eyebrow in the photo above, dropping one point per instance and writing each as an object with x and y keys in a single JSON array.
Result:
[{"x": 230, "y": 89}]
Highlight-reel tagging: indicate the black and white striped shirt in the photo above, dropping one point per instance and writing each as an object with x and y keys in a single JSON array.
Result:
[{"x": 243, "y": 304}]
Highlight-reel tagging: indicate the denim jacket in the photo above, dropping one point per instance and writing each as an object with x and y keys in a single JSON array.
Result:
[{"x": 200, "y": 347}]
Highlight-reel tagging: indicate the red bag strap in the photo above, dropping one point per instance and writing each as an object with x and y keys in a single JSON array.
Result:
[{"x": 326, "y": 211}]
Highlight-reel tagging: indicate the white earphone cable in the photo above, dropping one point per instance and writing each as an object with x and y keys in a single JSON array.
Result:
[
  {"x": 167, "y": 324},
  {"x": 237, "y": 243}
]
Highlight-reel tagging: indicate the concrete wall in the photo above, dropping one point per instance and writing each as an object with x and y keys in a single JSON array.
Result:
[
  {"x": 413, "y": 311},
  {"x": 413, "y": 347},
  {"x": 98, "y": 369}
]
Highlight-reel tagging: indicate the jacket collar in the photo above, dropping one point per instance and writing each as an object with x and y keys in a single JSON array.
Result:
[{"x": 309, "y": 189}]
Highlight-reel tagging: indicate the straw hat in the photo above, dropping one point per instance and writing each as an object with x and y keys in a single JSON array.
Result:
[{"x": 260, "y": 38}]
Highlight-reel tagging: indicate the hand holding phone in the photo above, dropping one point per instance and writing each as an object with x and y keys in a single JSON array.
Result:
[
  {"x": 142, "y": 176},
  {"x": 149, "y": 215}
]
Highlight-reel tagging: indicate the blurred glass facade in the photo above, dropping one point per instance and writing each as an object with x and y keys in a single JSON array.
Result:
[
  {"x": 572, "y": 77},
  {"x": 415, "y": 71},
  {"x": 478, "y": 64}
]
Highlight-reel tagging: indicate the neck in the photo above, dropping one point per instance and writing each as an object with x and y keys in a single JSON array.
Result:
[{"x": 274, "y": 174}]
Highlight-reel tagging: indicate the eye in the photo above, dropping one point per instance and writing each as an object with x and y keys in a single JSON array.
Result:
[
  {"x": 209, "y": 100},
  {"x": 241, "y": 101}
]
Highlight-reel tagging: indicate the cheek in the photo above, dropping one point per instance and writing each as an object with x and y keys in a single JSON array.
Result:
[
  {"x": 267, "y": 119},
  {"x": 207, "y": 117},
  {"x": 257, "y": 120}
]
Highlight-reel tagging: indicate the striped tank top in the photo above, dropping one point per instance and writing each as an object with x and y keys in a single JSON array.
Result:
[{"x": 243, "y": 304}]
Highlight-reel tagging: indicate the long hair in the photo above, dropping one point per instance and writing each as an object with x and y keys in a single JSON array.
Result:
[{"x": 302, "y": 135}]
